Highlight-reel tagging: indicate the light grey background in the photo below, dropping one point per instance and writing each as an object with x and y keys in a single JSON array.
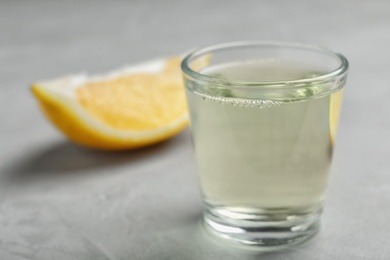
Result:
[{"x": 60, "y": 201}]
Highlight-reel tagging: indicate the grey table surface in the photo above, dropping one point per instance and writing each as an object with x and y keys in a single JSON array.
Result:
[{"x": 61, "y": 201}]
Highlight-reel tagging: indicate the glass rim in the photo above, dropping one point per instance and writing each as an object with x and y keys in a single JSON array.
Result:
[{"x": 339, "y": 71}]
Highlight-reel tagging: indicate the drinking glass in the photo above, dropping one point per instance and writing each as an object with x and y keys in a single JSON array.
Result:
[{"x": 263, "y": 119}]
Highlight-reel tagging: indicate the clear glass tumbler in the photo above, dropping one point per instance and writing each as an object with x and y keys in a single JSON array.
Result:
[{"x": 263, "y": 120}]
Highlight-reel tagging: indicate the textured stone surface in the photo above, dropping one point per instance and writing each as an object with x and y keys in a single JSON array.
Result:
[{"x": 59, "y": 201}]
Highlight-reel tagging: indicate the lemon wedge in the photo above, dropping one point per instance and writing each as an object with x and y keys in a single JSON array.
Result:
[
  {"x": 334, "y": 113},
  {"x": 129, "y": 108}
]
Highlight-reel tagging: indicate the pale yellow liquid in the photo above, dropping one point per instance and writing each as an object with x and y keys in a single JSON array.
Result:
[{"x": 265, "y": 152}]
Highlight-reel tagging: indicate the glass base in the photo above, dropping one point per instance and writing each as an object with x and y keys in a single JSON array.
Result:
[{"x": 262, "y": 230}]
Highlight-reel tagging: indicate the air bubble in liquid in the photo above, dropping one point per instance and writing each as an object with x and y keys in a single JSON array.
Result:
[{"x": 240, "y": 102}]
